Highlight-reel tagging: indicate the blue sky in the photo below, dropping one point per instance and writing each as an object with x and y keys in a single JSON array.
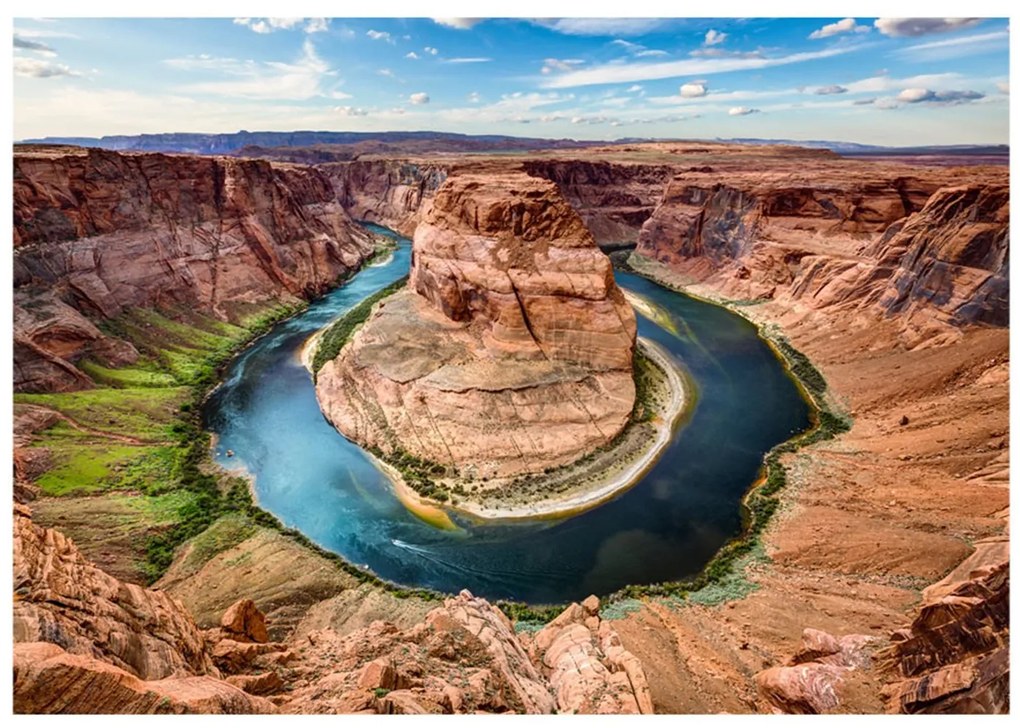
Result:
[{"x": 884, "y": 81}]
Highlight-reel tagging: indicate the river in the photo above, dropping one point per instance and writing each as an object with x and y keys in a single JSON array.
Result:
[{"x": 666, "y": 527}]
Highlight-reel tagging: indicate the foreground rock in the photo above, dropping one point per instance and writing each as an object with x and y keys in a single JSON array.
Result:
[
  {"x": 60, "y": 597},
  {"x": 97, "y": 232},
  {"x": 954, "y": 656},
  {"x": 509, "y": 352}
]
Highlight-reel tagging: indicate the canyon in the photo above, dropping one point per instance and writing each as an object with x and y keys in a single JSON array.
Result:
[{"x": 881, "y": 584}]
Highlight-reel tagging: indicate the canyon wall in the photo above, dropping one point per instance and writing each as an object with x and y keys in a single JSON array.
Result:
[
  {"x": 856, "y": 238},
  {"x": 97, "y": 232},
  {"x": 511, "y": 349}
]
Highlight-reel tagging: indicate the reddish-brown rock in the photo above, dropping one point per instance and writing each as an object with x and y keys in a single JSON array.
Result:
[
  {"x": 49, "y": 680},
  {"x": 101, "y": 231},
  {"x": 511, "y": 349},
  {"x": 60, "y": 597},
  {"x": 243, "y": 621},
  {"x": 954, "y": 656}
]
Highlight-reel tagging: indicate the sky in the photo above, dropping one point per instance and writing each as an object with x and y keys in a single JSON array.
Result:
[{"x": 875, "y": 81}]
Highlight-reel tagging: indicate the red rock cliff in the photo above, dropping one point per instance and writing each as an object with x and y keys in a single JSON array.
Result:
[{"x": 96, "y": 232}]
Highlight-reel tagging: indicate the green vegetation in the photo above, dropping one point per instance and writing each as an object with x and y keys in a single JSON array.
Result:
[{"x": 334, "y": 338}]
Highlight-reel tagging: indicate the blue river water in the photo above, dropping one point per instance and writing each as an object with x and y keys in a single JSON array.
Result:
[{"x": 666, "y": 527}]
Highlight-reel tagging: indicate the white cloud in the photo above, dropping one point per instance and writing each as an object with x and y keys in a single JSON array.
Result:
[
  {"x": 650, "y": 53},
  {"x": 1003, "y": 87},
  {"x": 467, "y": 60},
  {"x": 724, "y": 53},
  {"x": 914, "y": 27},
  {"x": 42, "y": 33},
  {"x": 413, "y": 56},
  {"x": 350, "y": 111},
  {"x": 846, "y": 25},
  {"x": 635, "y": 88},
  {"x": 317, "y": 25},
  {"x": 828, "y": 90},
  {"x": 386, "y": 72},
  {"x": 604, "y": 26},
  {"x": 459, "y": 23},
  {"x": 878, "y": 84},
  {"x": 693, "y": 90},
  {"x": 34, "y": 46},
  {"x": 637, "y": 50},
  {"x": 714, "y": 37},
  {"x": 379, "y": 35},
  {"x": 956, "y": 47},
  {"x": 474, "y": 97},
  {"x": 268, "y": 25},
  {"x": 419, "y": 98},
  {"x": 431, "y": 51},
  {"x": 35, "y": 68},
  {"x": 742, "y": 111},
  {"x": 918, "y": 95},
  {"x": 555, "y": 65},
  {"x": 271, "y": 80},
  {"x": 630, "y": 72}
]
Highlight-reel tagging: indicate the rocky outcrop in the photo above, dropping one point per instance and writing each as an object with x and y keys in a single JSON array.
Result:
[
  {"x": 60, "y": 597},
  {"x": 810, "y": 682},
  {"x": 588, "y": 669},
  {"x": 48, "y": 679},
  {"x": 97, "y": 232},
  {"x": 509, "y": 352},
  {"x": 952, "y": 256},
  {"x": 954, "y": 656}
]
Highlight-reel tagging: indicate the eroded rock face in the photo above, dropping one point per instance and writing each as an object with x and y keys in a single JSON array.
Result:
[
  {"x": 48, "y": 679},
  {"x": 511, "y": 349},
  {"x": 860, "y": 238},
  {"x": 954, "y": 656},
  {"x": 60, "y": 597},
  {"x": 96, "y": 232}
]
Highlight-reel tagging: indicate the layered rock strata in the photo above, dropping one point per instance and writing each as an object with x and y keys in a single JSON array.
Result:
[
  {"x": 509, "y": 352},
  {"x": 97, "y": 232}
]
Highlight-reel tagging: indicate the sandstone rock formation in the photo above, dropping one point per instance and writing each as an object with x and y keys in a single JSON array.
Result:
[
  {"x": 511, "y": 349},
  {"x": 60, "y": 597},
  {"x": 849, "y": 236},
  {"x": 49, "y": 680},
  {"x": 954, "y": 656},
  {"x": 97, "y": 232},
  {"x": 810, "y": 681}
]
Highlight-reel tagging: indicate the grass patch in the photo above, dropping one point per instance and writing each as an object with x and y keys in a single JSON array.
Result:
[
  {"x": 144, "y": 413},
  {"x": 334, "y": 338},
  {"x": 143, "y": 374},
  {"x": 80, "y": 465},
  {"x": 224, "y": 534}
]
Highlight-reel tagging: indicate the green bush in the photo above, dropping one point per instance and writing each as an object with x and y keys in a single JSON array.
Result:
[{"x": 334, "y": 338}]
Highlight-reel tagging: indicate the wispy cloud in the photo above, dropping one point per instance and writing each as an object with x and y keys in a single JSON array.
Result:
[
  {"x": 714, "y": 37},
  {"x": 467, "y": 60},
  {"x": 604, "y": 26},
  {"x": 957, "y": 47},
  {"x": 35, "y": 68},
  {"x": 431, "y": 51},
  {"x": 637, "y": 50},
  {"x": 419, "y": 98},
  {"x": 379, "y": 35},
  {"x": 630, "y": 72},
  {"x": 413, "y": 56},
  {"x": 33, "y": 45},
  {"x": 914, "y": 27},
  {"x": 846, "y": 25},
  {"x": 829, "y": 90},
  {"x": 459, "y": 23},
  {"x": 268, "y": 25},
  {"x": 303, "y": 78},
  {"x": 742, "y": 111},
  {"x": 557, "y": 65},
  {"x": 42, "y": 33}
]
